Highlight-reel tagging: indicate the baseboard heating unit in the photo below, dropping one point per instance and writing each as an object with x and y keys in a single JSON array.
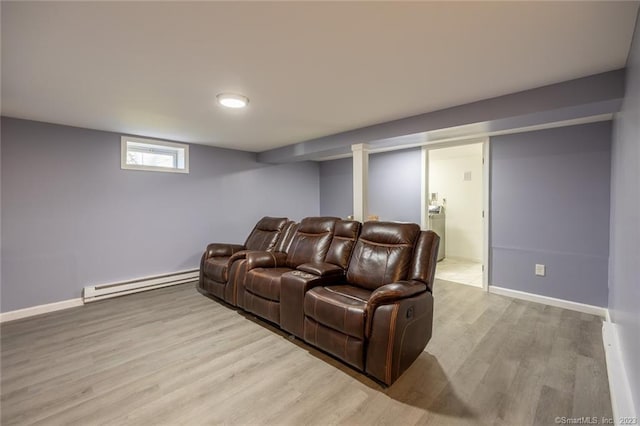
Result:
[{"x": 105, "y": 291}]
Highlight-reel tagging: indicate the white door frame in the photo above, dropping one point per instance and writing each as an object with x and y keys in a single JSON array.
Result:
[{"x": 486, "y": 196}]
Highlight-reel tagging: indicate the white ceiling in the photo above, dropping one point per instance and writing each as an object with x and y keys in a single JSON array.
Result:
[{"x": 310, "y": 69}]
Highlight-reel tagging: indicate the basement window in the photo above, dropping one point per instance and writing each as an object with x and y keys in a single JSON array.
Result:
[{"x": 153, "y": 155}]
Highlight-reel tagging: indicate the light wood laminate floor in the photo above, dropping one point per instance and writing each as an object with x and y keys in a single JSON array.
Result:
[{"x": 174, "y": 356}]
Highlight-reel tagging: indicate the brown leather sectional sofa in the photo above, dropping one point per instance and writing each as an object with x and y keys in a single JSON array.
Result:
[{"x": 362, "y": 293}]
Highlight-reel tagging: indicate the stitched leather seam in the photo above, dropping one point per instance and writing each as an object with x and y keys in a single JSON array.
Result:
[
  {"x": 344, "y": 317},
  {"x": 392, "y": 295},
  {"x": 243, "y": 283},
  {"x": 346, "y": 295},
  {"x": 385, "y": 244},
  {"x": 271, "y": 279},
  {"x": 315, "y": 305},
  {"x": 294, "y": 249},
  {"x": 346, "y": 341},
  {"x": 392, "y": 331},
  {"x": 234, "y": 288},
  {"x": 333, "y": 301},
  {"x": 386, "y": 267},
  {"x": 315, "y": 334},
  {"x": 250, "y": 286},
  {"x": 310, "y": 234}
]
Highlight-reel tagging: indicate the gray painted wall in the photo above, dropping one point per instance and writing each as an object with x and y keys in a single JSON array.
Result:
[
  {"x": 550, "y": 205},
  {"x": 71, "y": 217},
  {"x": 394, "y": 186},
  {"x": 624, "y": 264},
  {"x": 336, "y": 187}
]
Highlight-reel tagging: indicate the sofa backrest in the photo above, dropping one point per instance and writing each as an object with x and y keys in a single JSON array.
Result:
[
  {"x": 383, "y": 254},
  {"x": 286, "y": 236},
  {"x": 311, "y": 241},
  {"x": 344, "y": 239},
  {"x": 266, "y": 233},
  {"x": 425, "y": 257}
]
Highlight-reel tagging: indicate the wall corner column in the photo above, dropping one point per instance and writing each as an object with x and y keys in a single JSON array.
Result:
[
  {"x": 360, "y": 181},
  {"x": 424, "y": 188}
]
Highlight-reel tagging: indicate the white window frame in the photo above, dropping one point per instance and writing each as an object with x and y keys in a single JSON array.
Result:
[{"x": 173, "y": 145}]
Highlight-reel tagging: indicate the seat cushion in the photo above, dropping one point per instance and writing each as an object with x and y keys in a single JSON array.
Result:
[
  {"x": 340, "y": 307},
  {"x": 265, "y": 282},
  {"x": 217, "y": 268}
]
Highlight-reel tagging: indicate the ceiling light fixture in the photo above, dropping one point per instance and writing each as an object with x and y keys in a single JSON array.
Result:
[{"x": 231, "y": 100}]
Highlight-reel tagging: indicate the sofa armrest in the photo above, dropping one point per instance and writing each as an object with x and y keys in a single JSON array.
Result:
[
  {"x": 221, "y": 249},
  {"x": 321, "y": 269},
  {"x": 399, "y": 333},
  {"x": 239, "y": 255},
  {"x": 388, "y": 294},
  {"x": 265, "y": 259}
]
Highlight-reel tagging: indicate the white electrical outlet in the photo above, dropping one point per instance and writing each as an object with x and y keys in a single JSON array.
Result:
[{"x": 540, "y": 270}]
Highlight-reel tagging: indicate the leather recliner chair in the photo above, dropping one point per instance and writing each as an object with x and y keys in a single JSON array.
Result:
[
  {"x": 238, "y": 270},
  {"x": 259, "y": 280},
  {"x": 217, "y": 260},
  {"x": 378, "y": 318},
  {"x": 296, "y": 283}
]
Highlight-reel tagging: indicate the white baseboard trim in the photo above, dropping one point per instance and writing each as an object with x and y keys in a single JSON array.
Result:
[
  {"x": 552, "y": 301},
  {"x": 40, "y": 309},
  {"x": 621, "y": 399}
]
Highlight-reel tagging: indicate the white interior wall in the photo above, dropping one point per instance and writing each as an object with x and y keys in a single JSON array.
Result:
[{"x": 463, "y": 206}]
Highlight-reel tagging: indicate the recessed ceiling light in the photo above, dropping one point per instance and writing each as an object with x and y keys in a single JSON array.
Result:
[{"x": 231, "y": 100}]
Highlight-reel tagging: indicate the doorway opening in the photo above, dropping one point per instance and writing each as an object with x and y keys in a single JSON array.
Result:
[{"x": 456, "y": 208}]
